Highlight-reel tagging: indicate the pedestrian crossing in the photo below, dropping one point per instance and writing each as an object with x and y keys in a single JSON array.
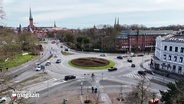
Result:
[{"x": 136, "y": 76}]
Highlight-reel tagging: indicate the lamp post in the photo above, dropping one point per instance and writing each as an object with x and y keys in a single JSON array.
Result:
[{"x": 81, "y": 87}]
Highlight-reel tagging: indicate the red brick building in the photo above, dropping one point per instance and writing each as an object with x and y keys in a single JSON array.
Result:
[{"x": 138, "y": 40}]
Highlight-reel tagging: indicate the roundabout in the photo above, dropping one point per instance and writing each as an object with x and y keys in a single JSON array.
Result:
[{"x": 91, "y": 63}]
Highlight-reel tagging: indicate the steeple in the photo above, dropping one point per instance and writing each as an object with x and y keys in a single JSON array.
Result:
[
  {"x": 30, "y": 15},
  {"x": 118, "y": 21},
  {"x": 54, "y": 24}
]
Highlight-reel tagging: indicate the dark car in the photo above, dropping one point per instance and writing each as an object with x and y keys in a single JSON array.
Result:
[
  {"x": 69, "y": 77},
  {"x": 119, "y": 57},
  {"x": 149, "y": 72},
  {"x": 47, "y": 63},
  {"x": 61, "y": 46},
  {"x": 112, "y": 69},
  {"x": 58, "y": 61},
  {"x": 141, "y": 72},
  {"x": 133, "y": 65},
  {"x": 129, "y": 60},
  {"x": 66, "y": 49}
]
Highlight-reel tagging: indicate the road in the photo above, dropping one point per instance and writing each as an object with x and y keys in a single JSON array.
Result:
[{"x": 125, "y": 74}]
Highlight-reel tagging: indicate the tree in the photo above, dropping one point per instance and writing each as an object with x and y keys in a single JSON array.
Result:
[
  {"x": 139, "y": 94},
  {"x": 174, "y": 94},
  {"x": 2, "y": 13}
]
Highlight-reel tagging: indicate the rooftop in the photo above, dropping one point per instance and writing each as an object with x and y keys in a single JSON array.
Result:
[{"x": 175, "y": 38}]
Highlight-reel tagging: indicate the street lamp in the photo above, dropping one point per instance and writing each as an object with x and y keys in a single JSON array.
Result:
[{"x": 81, "y": 87}]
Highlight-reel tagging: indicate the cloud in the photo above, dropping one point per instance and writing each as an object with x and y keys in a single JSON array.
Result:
[{"x": 71, "y": 10}]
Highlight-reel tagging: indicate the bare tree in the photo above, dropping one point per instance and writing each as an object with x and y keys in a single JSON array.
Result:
[
  {"x": 139, "y": 94},
  {"x": 2, "y": 13}
]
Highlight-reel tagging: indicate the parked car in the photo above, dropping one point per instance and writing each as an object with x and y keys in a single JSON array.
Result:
[
  {"x": 69, "y": 77},
  {"x": 149, "y": 72},
  {"x": 133, "y": 65},
  {"x": 61, "y": 46},
  {"x": 141, "y": 72},
  {"x": 2, "y": 100},
  {"x": 112, "y": 69},
  {"x": 58, "y": 61},
  {"x": 129, "y": 60},
  {"x": 103, "y": 55},
  {"x": 119, "y": 57}
]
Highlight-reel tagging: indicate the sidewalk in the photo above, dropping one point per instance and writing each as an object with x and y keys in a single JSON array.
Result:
[{"x": 157, "y": 78}]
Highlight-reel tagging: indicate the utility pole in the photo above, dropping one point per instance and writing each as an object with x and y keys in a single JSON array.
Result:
[{"x": 81, "y": 87}]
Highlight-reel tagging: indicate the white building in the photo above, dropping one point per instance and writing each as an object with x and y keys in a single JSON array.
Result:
[{"x": 169, "y": 54}]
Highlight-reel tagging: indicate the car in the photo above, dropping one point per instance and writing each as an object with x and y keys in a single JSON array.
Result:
[
  {"x": 140, "y": 55},
  {"x": 53, "y": 42},
  {"x": 129, "y": 60},
  {"x": 149, "y": 72},
  {"x": 2, "y": 100},
  {"x": 66, "y": 49},
  {"x": 47, "y": 63},
  {"x": 69, "y": 77},
  {"x": 61, "y": 46},
  {"x": 133, "y": 65},
  {"x": 102, "y": 55},
  {"x": 38, "y": 68},
  {"x": 119, "y": 57},
  {"x": 58, "y": 61},
  {"x": 112, "y": 69},
  {"x": 141, "y": 72}
]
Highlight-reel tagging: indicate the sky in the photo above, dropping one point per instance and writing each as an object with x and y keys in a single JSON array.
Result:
[{"x": 87, "y": 13}]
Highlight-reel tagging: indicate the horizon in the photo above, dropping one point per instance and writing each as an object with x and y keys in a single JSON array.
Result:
[{"x": 82, "y": 14}]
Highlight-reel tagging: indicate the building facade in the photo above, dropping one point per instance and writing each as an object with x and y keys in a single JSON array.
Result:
[
  {"x": 138, "y": 40},
  {"x": 169, "y": 54}
]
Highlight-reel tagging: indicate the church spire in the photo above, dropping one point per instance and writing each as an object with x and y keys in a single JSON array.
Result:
[
  {"x": 30, "y": 15},
  {"x": 54, "y": 24},
  {"x": 118, "y": 21}
]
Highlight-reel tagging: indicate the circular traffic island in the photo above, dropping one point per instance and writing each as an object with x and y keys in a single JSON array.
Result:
[{"x": 91, "y": 63}]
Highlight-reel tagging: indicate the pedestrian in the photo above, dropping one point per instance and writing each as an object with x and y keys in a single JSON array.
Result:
[
  {"x": 92, "y": 89},
  {"x": 95, "y": 90}
]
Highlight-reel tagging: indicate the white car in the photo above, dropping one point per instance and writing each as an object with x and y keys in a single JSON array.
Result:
[
  {"x": 38, "y": 68},
  {"x": 2, "y": 99}
]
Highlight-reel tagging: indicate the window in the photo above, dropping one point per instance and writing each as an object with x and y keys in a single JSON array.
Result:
[
  {"x": 176, "y": 49},
  {"x": 165, "y": 48},
  {"x": 170, "y": 48},
  {"x": 182, "y": 49},
  {"x": 174, "y": 68},
  {"x": 164, "y": 57},
  {"x": 179, "y": 69},
  {"x": 169, "y": 57},
  {"x": 175, "y": 58},
  {"x": 181, "y": 59}
]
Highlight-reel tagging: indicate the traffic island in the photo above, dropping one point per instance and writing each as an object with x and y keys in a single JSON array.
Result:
[{"x": 91, "y": 63}]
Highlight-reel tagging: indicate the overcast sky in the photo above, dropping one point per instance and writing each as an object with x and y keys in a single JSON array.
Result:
[{"x": 87, "y": 13}]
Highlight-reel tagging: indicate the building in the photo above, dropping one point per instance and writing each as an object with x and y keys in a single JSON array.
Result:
[
  {"x": 31, "y": 26},
  {"x": 169, "y": 54},
  {"x": 138, "y": 40}
]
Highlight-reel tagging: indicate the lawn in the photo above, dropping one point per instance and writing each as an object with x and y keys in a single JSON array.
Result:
[
  {"x": 15, "y": 61},
  {"x": 111, "y": 64}
]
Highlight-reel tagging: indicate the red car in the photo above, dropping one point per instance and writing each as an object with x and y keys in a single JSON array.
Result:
[{"x": 53, "y": 42}]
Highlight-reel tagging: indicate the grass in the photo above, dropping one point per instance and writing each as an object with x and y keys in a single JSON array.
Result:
[
  {"x": 66, "y": 53},
  {"x": 111, "y": 64},
  {"x": 15, "y": 61}
]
